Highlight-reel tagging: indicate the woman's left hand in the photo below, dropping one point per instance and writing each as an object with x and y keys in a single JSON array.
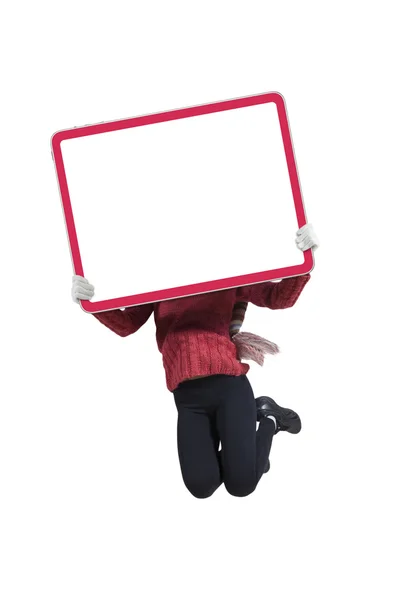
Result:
[{"x": 306, "y": 238}]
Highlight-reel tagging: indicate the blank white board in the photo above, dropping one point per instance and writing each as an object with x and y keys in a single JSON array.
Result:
[{"x": 181, "y": 202}]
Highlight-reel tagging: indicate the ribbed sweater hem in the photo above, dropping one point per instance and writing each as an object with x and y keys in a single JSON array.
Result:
[{"x": 199, "y": 354}]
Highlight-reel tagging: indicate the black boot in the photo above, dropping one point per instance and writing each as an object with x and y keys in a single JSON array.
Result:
[{"x": 286, "y": 419}]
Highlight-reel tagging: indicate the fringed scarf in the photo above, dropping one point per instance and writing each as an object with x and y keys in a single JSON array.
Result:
[{"x": 249, "y": 346}]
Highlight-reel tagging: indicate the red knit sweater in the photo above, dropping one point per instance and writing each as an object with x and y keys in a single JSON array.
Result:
[{"x": 193, "y": 332}]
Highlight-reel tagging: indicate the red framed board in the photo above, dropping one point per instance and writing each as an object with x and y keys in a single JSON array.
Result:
[{"x": 182, "y": 202}]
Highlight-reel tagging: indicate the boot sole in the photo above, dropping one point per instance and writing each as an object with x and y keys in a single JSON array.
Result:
[{"x": 286, "y": 418}]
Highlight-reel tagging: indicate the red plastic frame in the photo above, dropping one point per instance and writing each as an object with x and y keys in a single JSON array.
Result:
[{"x": 197, "y": 288}]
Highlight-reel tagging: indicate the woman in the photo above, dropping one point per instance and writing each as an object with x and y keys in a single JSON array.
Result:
[{"x": 201, "y": 350}]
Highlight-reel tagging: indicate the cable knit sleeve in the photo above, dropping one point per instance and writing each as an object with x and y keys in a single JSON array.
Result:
[
  {"x": 125, "y": 322},
  {"x": 272, "y": 294}
]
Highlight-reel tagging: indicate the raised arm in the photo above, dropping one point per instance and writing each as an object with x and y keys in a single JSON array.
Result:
[
  {"x": 122, "y": 323},
  {"x": 285, "y": 293},
  {"x": 125, "y": 322},
  {"x": 274, "y": 295}
]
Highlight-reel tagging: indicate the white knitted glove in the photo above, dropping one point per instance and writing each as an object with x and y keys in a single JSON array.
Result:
[
  {"x": 81, "y": 289},
  {"x": 306, "y": 238}
]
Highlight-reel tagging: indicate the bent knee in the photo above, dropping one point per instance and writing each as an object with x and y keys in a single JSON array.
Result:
[
  {"x": 241, "y": 486},
  {"x": 201, "y": 487}
]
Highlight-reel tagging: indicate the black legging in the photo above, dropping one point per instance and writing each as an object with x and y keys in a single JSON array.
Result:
[{"x": 222, "y": 409}]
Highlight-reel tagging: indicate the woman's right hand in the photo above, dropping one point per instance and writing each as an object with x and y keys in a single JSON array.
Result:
[{"x": 81, "y": 289}]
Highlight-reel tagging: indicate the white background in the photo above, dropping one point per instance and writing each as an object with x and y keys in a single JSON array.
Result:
[
  {"x": 154, "y": 206},
  {"x": 92, "y": 503}
]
